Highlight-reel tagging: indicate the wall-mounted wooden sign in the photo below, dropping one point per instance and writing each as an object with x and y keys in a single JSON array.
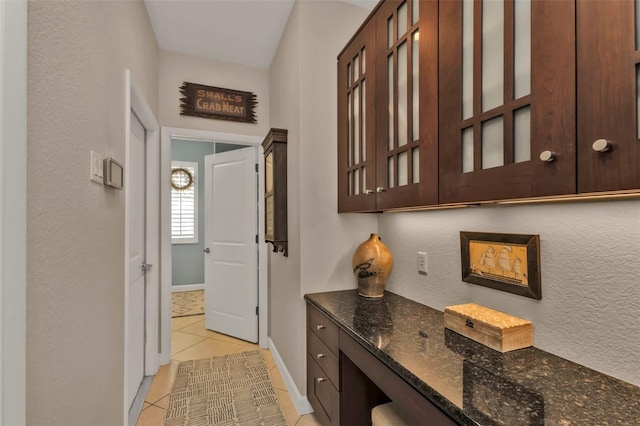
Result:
[{"x": 217, "y": 103}]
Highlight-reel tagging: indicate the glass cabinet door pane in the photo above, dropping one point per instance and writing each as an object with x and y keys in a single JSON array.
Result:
[
  {"x": 268, "y": 173},
  {"x": 390, "y": 104},
  {"x": 356, "y": 68},
  {"x": 349, "y": 131},
  {"x": 415, "y": 11},
  {"x": 522, "y": 135},
  {"x": 637, "y": 8},
  {"x": 492, "y": 54},
  {"x": 467, "y": 59},
  {"x": 390, "y": 172},
  {"x": 467, "y": 150},
  {"x": 363, "y": 111},
  {"x": 390, "y": 32},
  {"x": 522, "y": 48},
  {"x": 403, "y": 169},
  {"x": 415, "y": 154},
  {"x": 364, "y": 178},
  {"x": 402, "y": 95},
  {"x": 356, "y": 182},
  {"x": 638, "y": 99},
  {"x": 364, "y": 60},
  {"x": 492, "y": 143},
  {"x": 402, "y": 19},
  {"x": 415, "y": 96},
  {"x": 356, "y": 125}
]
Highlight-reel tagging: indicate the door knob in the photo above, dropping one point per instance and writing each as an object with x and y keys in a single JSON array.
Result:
[
  {"x": 146, "y": 267},
  {"x": 380, "y": 189},
  {"x": 601, "y": 145},
  {"x": 207, "y": 250},
  {"x": 547, "y": 156}
]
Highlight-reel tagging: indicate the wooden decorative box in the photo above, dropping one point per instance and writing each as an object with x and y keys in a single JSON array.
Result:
[{"x": 494, "y": 329}]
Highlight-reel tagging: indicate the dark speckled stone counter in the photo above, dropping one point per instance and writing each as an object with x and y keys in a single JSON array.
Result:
[{"x": 473, "y": 384}]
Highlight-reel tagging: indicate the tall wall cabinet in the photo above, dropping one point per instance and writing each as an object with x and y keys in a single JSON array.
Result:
[
  {"x": 387, "y": 110},
  {"x": 463, "y": 101}
]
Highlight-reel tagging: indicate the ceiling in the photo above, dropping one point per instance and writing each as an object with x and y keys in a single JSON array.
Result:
[{"x": 245, "y": 32}]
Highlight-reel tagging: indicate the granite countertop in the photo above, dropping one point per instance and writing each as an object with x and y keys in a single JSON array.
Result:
[{"x": 474, "y": 384}]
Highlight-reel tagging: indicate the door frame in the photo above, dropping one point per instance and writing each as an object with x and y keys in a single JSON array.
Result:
[
  {"x": 13, "y": 211},
  {"x": 165, "y": 230},
  {"x": 136, "y": 102}
]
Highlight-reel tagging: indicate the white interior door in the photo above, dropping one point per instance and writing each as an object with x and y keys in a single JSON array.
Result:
[
  {"x": 231, "y": 249},
  {"x": 136, "y": 198}
]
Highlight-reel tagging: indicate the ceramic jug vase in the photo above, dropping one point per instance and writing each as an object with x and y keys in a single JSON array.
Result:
[{"x": 372, "y": 263}]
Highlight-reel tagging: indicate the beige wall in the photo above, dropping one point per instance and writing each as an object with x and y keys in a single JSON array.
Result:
[
  {"x": 303, "y": 100},
  {"x": 590, "y": 264},
  {"x": 176, "y": 68},
  {"x": 285, "y": 320},
  {"x": 77, "y": 55}
]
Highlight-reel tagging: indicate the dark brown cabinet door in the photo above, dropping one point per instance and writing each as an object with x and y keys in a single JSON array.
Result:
[
  {"x": 506, "y": 99},
  {"x": 407, "y": 104},
  {"x": 608, "y": 78},
  {"x": 356, "y": 123}
]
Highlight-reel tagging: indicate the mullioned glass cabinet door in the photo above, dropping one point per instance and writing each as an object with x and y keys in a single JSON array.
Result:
[
  {"x": 356, "y": 123},
  {"x": 407, "y": 107},
  {"x": 507, "y": 93}
]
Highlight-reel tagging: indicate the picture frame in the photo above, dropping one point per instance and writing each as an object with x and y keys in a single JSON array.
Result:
[{"x": 506, "y": 262}]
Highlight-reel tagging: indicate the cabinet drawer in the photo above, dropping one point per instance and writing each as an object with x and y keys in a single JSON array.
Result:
[
  {"x": 323, "y": 396},
  {"x": 323, "y": 327},
  {"x": 324, "y": 358}
]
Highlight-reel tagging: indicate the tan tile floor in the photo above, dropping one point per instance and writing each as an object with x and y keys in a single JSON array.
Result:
[{"x": 190, "y": 340}]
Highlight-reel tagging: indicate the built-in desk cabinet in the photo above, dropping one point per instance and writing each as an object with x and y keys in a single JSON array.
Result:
[
  {"x": 345, "y": 381},
  {"x": 489, "y": 100},
  {"x": 323, "y": 384}
]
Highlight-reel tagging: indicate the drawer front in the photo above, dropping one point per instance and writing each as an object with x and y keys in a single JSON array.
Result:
[
  {"x": 323, "y": 327},
  {"x": 324, "y": 398},
  {"x": 324, "y": 358}
]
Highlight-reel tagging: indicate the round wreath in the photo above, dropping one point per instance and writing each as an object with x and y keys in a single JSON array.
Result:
[{"x": 181, "y": 179}]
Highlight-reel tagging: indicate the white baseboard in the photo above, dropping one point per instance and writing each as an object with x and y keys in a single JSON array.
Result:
[
  {"x": 299, "y": 401},
  {"x": 186, "y": 287}
]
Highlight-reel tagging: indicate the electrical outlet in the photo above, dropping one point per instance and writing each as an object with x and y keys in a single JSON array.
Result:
[{"x": 422, "y": 262}]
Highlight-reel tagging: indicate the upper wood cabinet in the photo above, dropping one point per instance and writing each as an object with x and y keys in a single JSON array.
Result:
[
  {"x": 466, "y": 101},
  {"x": 387, "y": 110},
  {"x": 357, "y": 123},
  {"x": 407, "y": 104},
  {"x": 507, "y": 96},
  {"x": 608, "y": 95}
]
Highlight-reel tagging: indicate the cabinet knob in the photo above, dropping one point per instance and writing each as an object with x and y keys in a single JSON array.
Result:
[
  {"x": 320, "y": 379},
  {"x": 368, "y": 192},
  {"x": 320, "y": 327},
  {"x": 547, "y": 156},
  {"x": 380, "y": 189},
  {"x": 601, "y": 145},
  {"x": 320, "y": 356}
]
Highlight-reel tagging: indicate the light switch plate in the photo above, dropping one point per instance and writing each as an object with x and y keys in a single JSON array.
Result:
[
  {"x": 422, "y": 262},
  {"x": 96, "y": 170}
]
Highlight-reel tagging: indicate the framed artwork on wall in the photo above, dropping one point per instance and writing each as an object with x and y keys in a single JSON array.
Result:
[{"x": 506, "y": 262}]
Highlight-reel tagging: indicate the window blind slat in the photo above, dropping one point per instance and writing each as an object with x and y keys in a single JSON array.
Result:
[{"x": 184, "y": 208}]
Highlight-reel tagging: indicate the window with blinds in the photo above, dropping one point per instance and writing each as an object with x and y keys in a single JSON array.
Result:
[{"x": 184, "y": 205}]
